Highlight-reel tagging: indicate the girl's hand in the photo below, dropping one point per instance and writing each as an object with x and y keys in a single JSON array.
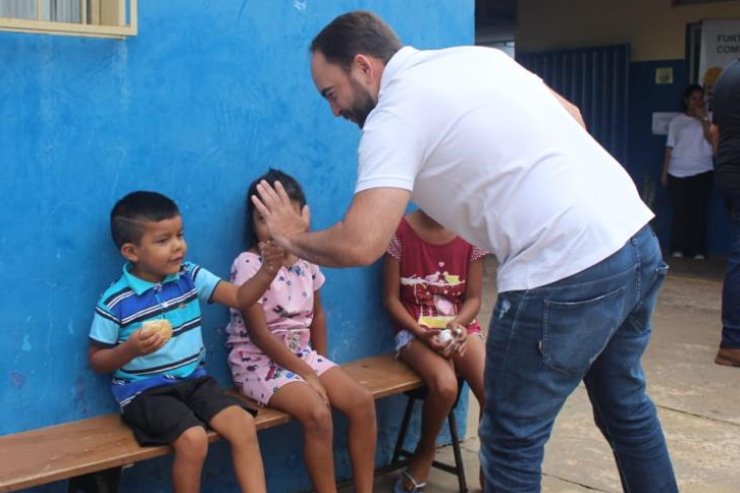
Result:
[
  {"x": 461, "y": 337},
  {"x": 429, "y": 337},
  {"x": 146, "y": 342},
  {"x": 314, "y": 382},
  {"x": 272, "y": 256}
]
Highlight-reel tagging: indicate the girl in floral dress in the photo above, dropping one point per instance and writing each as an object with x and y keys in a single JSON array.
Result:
[{"x": 278, "y": 350}]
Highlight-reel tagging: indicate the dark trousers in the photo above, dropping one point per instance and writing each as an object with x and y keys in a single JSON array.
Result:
[
  {"x": 689, "y": 229},
  {"x": 731, "y": 286}
]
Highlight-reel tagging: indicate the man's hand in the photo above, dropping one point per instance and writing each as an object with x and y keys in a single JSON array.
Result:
[{"x": 277, "y": 210}]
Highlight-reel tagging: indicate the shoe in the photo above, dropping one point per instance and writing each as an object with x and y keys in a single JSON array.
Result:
[
  {"x": 415, "y": 488},
  {"x": 677, "y": 255},
  {"x": 728, "y": 357},
  {"x": 699, "y": 256}
]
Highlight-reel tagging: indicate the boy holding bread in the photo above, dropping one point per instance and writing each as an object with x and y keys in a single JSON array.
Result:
[{"x": 147, "y": 332}]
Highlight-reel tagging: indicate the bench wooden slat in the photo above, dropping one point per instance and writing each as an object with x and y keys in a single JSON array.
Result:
[
  {"x": 44, "y": 455},
  {"x": 383, "y": 375}
]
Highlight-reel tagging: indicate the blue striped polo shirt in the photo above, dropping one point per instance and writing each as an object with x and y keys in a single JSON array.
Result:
[{"x": 131, "y": 301}]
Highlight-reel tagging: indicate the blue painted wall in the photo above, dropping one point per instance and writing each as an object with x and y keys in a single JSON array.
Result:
[
  {"x": 205, "y": 98},
  {"x": 645, "y": 156}
]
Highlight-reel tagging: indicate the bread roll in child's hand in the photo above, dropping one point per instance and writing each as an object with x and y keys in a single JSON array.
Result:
[{"x": 163, "y": 326}]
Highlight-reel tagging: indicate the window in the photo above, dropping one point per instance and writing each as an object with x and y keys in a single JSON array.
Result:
[{"x": 97, "y": 18}]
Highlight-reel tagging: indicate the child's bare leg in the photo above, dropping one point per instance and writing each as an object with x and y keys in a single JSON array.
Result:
[
  {"x": 439, "y": 376},
  {"x": 238, "y": 428},
  {"x": 357, "y": 403},
  {"x": 471, "y": 366},
  {"x": 304, "y": 404},
  {"x": 191, "y": 448}
]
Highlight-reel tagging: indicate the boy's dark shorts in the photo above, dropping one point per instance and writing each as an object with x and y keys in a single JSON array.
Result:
[{"x": 160, "y": 415}]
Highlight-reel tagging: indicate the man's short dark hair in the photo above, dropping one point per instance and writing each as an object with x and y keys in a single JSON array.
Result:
[
  {"x": 353, "y": 33},
  {"x": 131, "y": 212}
]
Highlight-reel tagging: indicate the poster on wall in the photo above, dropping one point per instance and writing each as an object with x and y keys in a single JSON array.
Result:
[{"x": 720, "y": 46}]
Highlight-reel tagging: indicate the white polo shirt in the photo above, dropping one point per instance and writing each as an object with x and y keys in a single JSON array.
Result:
[{"x": 489, "y": 152}]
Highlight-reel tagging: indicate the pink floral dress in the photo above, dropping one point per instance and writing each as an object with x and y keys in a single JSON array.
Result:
[{"x": 288, "y": 305}]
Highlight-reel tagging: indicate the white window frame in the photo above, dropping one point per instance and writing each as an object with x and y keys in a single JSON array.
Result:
[{"x": 109, "y": 19}]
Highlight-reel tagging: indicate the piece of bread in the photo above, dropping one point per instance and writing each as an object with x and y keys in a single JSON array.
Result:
[{"x": 162, "y": 326}]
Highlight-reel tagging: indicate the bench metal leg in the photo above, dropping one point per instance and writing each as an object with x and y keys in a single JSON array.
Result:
[
  {"x": 398, "y": 450},
  {"x": 98, "y": 482},
  {"x": 458, "y": 455},
  {"x": 458, "y": 469}
]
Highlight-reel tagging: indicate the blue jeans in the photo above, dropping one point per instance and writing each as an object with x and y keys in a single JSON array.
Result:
[
  {"x": 593, "y": 326},
  {"x": 731, "y": 285}
]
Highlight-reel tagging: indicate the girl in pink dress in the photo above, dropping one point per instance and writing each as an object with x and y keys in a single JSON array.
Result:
[
  {"x": 432, "y": 280},
  {"x": 278, "y": 350}
]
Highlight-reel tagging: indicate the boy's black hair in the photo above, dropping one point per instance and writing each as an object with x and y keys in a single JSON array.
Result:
[
  {"x": 129, "y": 214},
  {"x": 691, "y": 89},
  {"x": 291, "y": 186}
]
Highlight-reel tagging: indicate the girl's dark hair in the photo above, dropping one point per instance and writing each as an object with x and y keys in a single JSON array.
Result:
[
  {"x": 353, "y": 33},
  {"x": 291, "y": 186},
  {"x": 691, "y": 89}
]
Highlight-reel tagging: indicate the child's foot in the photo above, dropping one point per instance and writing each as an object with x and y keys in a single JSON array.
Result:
[{"x": 407, "y": 484}]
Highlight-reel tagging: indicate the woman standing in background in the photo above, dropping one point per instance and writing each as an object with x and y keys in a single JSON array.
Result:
[{"x": 687, "y": 172}]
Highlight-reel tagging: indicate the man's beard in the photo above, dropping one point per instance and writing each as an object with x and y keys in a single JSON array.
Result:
[{"x": 362, "y": 105}]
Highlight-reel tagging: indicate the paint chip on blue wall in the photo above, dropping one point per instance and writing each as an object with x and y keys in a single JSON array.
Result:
[{"x": 17, "y": 380}]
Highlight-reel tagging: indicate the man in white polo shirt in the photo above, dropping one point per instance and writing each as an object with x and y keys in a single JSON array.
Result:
[{"x": 489, "y": 151}]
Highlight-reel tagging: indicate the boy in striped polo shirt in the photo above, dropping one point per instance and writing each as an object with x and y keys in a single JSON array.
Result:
[{"x": 147, "y": 332}]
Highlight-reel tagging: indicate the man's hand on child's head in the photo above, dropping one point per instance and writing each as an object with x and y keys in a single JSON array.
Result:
[{"x": 279, "y": 214}]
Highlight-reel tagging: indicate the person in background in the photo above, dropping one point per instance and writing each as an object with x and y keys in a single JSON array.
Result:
[{"x": 687, "y": 172}]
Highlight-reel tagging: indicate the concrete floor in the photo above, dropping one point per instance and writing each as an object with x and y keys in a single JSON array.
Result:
[{"x": 698, "y": 401}]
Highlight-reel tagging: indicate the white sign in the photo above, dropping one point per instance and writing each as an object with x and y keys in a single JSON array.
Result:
[
  {"x": 661, "y": 119},
  {"x": 720, "y": 46}
]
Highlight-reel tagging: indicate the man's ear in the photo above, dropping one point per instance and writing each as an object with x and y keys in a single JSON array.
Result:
[
  {"x": 364, "y": 64},
  {"x": 129, "y": 252}
]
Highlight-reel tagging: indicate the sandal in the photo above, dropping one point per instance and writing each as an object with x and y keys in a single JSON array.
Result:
[{"x": 415, "y": 488}]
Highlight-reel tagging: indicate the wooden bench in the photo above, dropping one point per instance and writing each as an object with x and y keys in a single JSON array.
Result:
[{"x": 91, "y": 451}]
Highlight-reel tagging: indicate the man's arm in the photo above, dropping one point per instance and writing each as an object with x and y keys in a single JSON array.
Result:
[{"x": 358, "y": 239}]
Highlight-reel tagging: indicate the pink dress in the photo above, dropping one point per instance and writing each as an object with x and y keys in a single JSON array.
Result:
[
  {"x": 433, "y": 277},
  {"x": 288, "y": 305}
]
